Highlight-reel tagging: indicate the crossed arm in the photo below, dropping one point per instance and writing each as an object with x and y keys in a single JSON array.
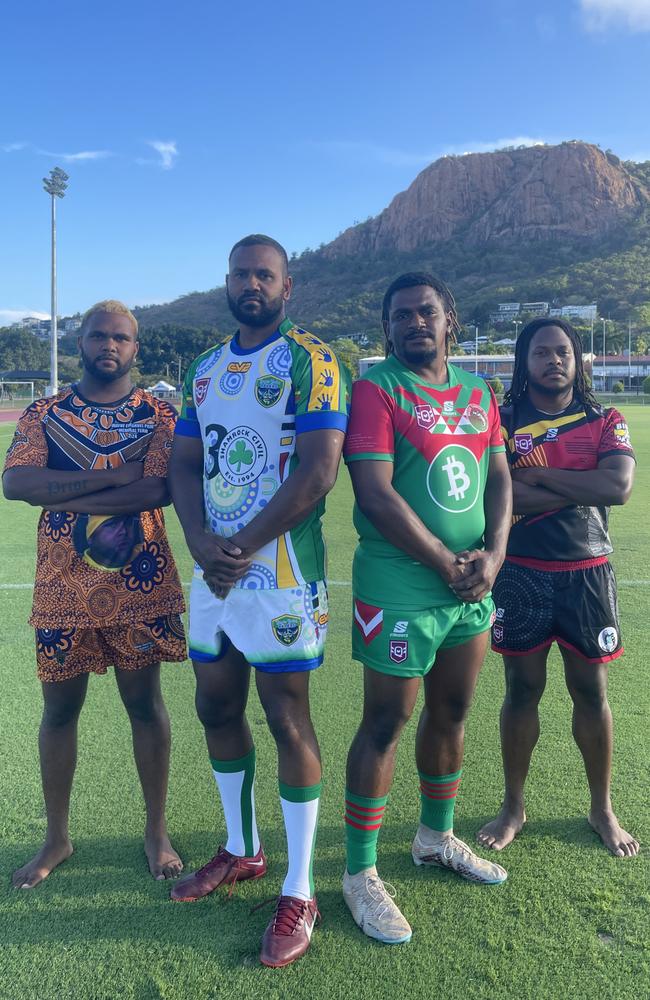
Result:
[
  {"x": 226, "y": 560},
  {"x": 538, "y": 489},
  {"x": 469, "y": 574},
  {"x": 122, "y": 490}
]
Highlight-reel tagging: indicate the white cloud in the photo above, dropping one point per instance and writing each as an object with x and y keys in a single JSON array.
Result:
[
  {"x": 168, "y": 151},
  {"x": 406, "y": 158},
  {"x": 13, "y": 147},
  {"x": 83, "y": 156},
  {"x": 10, "y": 316},
  {"x": 598, "y": 15}
]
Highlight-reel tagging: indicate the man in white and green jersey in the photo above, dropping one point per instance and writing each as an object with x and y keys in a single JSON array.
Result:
[
  {"x": 257, "y": 448},
  {"x": 433, "y": 502}
]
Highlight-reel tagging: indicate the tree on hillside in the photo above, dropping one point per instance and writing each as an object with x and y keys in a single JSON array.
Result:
[{"x": 21, "y": 349}]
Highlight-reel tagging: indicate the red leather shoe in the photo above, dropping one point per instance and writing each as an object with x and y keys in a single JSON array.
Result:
[
  {"x": 288, "y": 935},
  {"x": 223, "y": 869}
]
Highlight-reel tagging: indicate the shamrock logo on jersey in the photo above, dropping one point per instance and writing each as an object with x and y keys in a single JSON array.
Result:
[{"x": 240, "y": 455}]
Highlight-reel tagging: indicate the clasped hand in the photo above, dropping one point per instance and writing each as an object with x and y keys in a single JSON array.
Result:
[
  {"x": 223, "y": 561},
  {"x": 472, "y": 573}
]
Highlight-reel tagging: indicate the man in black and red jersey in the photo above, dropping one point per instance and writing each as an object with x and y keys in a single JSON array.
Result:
[{"x": 570, "y": 460}]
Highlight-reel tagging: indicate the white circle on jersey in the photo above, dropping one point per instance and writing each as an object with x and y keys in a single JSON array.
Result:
[{"x": 242, "y": 456}]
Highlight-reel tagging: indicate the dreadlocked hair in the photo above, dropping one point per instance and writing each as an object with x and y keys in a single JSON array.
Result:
[
  {"x": 411, "y": 280},
  {"x": 519, "y": 384}
]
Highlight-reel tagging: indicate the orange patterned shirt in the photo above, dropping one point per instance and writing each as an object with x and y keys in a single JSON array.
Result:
[{"x": 95, "y": 571}]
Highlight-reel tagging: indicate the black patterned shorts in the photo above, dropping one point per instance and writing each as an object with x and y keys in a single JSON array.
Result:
[{"x": 576, "y": 607}]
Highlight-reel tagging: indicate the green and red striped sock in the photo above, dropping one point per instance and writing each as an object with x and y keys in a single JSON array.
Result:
[
  {"x": 363, "y": 819},
  {"x": 437, "y": 800}
]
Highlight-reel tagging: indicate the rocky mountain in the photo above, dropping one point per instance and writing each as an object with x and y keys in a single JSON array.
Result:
[
  {"x": 566, "y": 223},
  {"x": 536, "y": 193}
]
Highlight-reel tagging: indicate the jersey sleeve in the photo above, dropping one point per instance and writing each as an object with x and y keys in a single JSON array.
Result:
[
  {"x": 29, "y": 444},
  {"x": 321, "y": 387},
  {"x": 615, "y": 438},
  {"x": 496, "y": 431},
  {"x": 157, "y": 458},
  {"x": 371, "y": 432},
  {"x": 187, "y": 424}
]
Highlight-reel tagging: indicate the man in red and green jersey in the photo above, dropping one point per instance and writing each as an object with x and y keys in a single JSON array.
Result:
[{"x": 433, "y": 502}]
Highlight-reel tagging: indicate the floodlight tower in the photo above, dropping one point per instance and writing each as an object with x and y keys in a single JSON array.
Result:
[{"x": 55, "y": 185}]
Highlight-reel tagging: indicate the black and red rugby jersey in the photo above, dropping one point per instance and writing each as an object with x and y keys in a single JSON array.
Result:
[{"x": 578, "y": 438}]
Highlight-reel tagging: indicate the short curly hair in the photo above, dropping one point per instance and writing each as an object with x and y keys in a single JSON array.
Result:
[{"x": 108, "y": 306}]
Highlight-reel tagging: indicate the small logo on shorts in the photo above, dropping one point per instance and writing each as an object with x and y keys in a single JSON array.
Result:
[
  {"x": 497, "y": 633},
  {"x": 398, "y": 650},
  {"x": 201, "y": 387},
  {"x": 400, "y": 628},
  {"x": 523, "y": 443},
  {"x": 287, "y": 629},
  {"x": 608, "y": 639}
]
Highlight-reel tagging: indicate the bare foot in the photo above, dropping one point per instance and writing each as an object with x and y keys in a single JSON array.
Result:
[
  {"x": 617, "y": 840},
  {"x": 40, "y": 866},
  {"x": 500, "y": 832},
  {"x": 163, "y": 860}
]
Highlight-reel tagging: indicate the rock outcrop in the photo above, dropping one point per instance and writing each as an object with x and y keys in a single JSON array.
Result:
[{"x": 536, "y": 193}]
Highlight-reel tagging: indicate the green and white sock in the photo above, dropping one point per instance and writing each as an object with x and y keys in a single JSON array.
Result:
[
  {"x": 235, "y": 780},
  {"x": 300, "y": 810},
  {"x": 438, "y": 798}
]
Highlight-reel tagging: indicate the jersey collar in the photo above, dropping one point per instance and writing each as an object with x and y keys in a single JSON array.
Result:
[{"x": 236, "y": 347}]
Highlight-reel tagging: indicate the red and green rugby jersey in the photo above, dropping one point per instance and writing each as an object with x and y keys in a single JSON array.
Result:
[
  {"x": 248, "y": 406},
  {"x": 575, "y": 439},
  {"x": 439, "y": 439}
]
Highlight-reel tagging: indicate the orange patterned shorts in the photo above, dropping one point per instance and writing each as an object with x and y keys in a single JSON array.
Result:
[{"x": 63, "y": 653}]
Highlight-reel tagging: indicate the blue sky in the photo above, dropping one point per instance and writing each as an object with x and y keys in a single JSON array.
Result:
[{"x": 185, "y": 126}]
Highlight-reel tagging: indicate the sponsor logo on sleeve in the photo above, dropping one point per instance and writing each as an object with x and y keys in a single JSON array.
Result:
[
  {"x": 523, "y": 444},
  {"x": 398, "y": 650},
  {"x": 201, "y": 387},
  {"x": 621, "y": 433}
]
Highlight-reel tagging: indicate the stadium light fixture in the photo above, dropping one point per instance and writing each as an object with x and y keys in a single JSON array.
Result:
[{"x": 55, "y": 185}]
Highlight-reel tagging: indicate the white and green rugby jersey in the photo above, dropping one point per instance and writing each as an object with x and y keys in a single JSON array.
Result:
[{"x": 248, "y": 406}]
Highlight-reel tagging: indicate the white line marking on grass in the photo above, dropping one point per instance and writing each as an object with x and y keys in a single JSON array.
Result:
[{"x": 330, "y": 583}]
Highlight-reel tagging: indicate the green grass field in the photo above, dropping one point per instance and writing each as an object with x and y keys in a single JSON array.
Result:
[{"x": 570, "y": 922}]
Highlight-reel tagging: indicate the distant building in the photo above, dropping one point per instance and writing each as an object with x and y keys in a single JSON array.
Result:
[
  {"x": 366, "y": 363},
  {"x": 538, "y": 308},
  {"x": 587, "y": 312}
]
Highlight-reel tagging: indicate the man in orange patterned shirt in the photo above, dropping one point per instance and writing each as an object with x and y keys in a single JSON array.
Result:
[{"x": 107, "y": 592}]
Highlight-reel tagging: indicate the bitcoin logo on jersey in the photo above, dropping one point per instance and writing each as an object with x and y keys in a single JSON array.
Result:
[{"x": 453, "y": 479}]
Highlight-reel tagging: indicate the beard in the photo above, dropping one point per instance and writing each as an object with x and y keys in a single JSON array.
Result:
[
  {"x": 103, "y": 374},
  {"x": 265, "y": 315},
  {"x": 418, "y": 355},
  {"x": 548, "y": 390}
]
